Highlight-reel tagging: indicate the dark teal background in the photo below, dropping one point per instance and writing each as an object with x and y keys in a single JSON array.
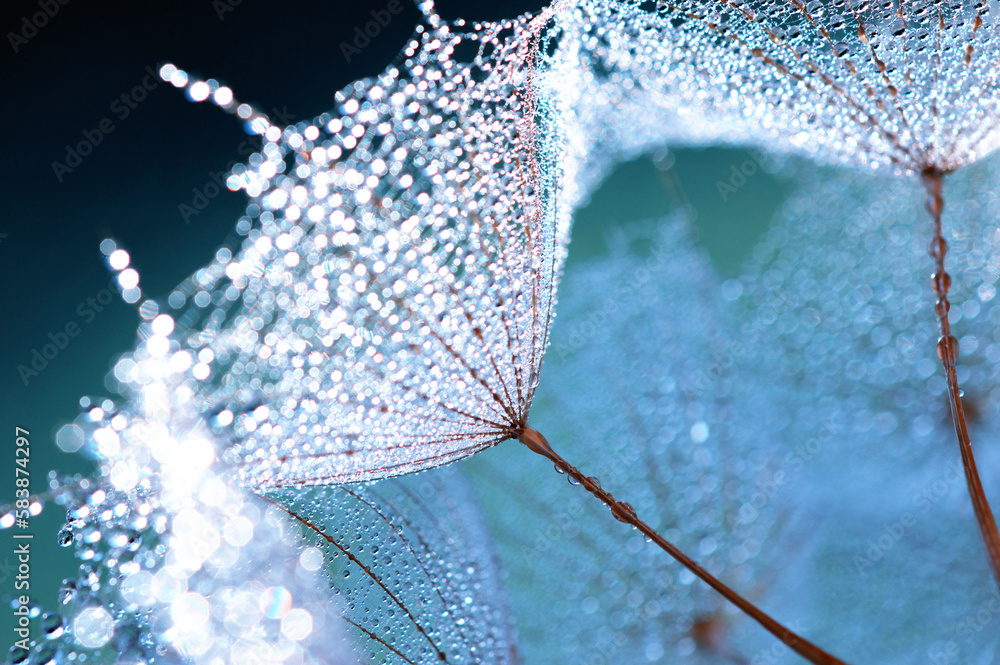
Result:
[{"x": 283, "y": 56}]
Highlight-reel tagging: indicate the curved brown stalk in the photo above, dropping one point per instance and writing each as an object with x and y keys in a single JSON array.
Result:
[
  {"x": 623, "y": 512},
  {"x": 947, "y": 349}
]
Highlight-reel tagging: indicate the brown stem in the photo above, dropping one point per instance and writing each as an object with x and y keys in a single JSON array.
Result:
[
  {"x": 623, "y": 512},
  {"x": 947, "y": 348}
]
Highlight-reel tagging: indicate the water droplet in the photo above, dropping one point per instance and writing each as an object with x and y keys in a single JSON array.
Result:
[
  {"x": 117, "y": 539},
  {"x": 18, "y": 656},
  {"x": 64, "y": 537},
  {"x": 134, "y": 541},
  {"x": 52, "y": 625},
  {"x": 67, "y": 592},
  {"x": 560, "y": 470},
  {"x": 623, "y": 512},
  {"x": 48, "y": 656},
  {"x": 93, "y": 627},
  {"x": 947, "y": 348},
  {"x": 941, "y": 282},
  {"x": 938, "y": 248}
]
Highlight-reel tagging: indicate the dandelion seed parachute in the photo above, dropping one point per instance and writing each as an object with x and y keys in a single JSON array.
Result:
[
  {"x": 394, "y": 293},
  {"x": 898, "y": 86}
]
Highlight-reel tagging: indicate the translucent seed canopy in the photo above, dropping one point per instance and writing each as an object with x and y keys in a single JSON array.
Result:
[
  {"x": 390, "y": 305},
  {"x": 900, "y": 85},
  {"x": 413, "y": 568}
]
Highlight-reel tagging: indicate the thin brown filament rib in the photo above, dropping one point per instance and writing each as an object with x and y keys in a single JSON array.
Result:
[
  {"x": 947, "y": 348},
  {"x": 623, "y": 512},
  {"x": 343, "y": 550},
  {"x": 415, "y": 314},
  {"x": 375, "y": 637},
  {"x": 489, "y": 354},
  {"x": 435, "y": 583}
]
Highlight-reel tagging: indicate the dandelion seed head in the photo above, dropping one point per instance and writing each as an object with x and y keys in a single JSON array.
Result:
[
  {"x": 882, "y": 85},
  {"x": 392, "y": 300}
]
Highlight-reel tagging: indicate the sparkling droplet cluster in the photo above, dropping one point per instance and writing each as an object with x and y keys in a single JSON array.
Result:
[
  {"x": 178, "y": 564},
  {"x": 413, "y": 568},
  {"x": 639, "y": 383}
]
